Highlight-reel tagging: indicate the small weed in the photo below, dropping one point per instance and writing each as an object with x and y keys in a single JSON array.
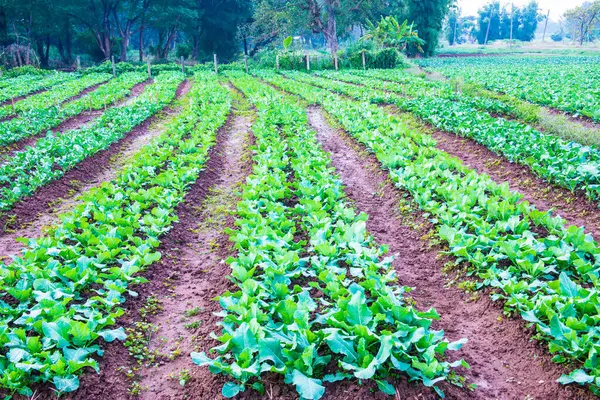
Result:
[{"x": 192, "y": 312}]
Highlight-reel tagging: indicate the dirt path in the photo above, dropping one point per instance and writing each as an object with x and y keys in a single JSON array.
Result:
[
  {"x": 184, "y": 282},
  {"x": 77, "y": 121},
  {"x": 30, "y": 217},
  {"x": 505, "y": 363}
]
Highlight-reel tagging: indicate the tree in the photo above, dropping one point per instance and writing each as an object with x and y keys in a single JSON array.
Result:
[
  {"x": 322, "y": 16},
  {"x": 488, "y": 23},
  {"x": 126, "y": 16},
  {"x": 428, "y": 18},
  {"x": 583, "y": 19},
  {"x": 389, "y": 33},
  {"x": 96, "y": 16},
  {"x": 168, "y": 17},
  {"x": 528, "y": 18}
]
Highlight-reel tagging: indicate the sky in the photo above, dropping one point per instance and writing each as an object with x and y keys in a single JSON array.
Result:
[{"x": 557, "y": 7}]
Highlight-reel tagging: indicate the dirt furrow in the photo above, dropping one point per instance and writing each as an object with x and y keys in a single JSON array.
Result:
[
  {"x": 505, "y": 363},
  {"x": 575, "y": 208},
  {"x": 184, "y": 283},
  {"x": 30, "y": 217},
  {"x": 77, "y": 121}
]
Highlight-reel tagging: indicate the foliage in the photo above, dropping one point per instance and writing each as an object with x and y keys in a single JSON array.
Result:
[
  {"x": 524, "y": 22},
  {"x": 389, "y": 33},
  {"x": 428, "y": 17},
  {"x": 64, "y": 292},
  {"x": 359, "y": 326},
  {"x": 583, "y": 19},
  {"x": 541, "y": 269},
  {"x": 566, "y": 83},
  {"x": 38, "y": 120}
]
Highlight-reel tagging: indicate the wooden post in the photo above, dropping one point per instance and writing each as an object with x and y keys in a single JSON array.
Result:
[
  {"x": 364, "y": 61},
  {"x": 182, "y": 66},
  {"x": 246, "y": 62},
  {"x": 277, "y": 61},
  {"x": 335, "y": 62},
  {"x": 149, "y": 69},
  {"x": 215, "y": 59},
  {"x": 78, "y": 63},
  {"x": 487, "y": 32},
  {"x": 13, "y": 105},
  {"x": 307, "y": 62},
  {"x": 546, "y": 25},
  {"x": 113, "y": 66}
]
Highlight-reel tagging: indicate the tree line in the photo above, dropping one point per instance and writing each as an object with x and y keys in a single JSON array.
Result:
[{"x": 38, "y": 31}]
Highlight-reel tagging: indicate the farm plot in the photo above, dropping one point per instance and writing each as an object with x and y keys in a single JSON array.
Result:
[
  {"x": 569, "y": 84},
  {"x": 285, "y": 236}
]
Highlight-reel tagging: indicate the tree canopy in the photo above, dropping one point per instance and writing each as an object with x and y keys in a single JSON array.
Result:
[{"x": 37, "y": 30}]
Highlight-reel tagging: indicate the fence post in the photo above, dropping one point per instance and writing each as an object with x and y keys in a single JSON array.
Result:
[
  {"x": 364, "y": 61},
  {"x": 182, "y": 66},
  {"x": 246, "y": 62},
  {"x": 149, "y": 70},
  {"x": 335, "y": 62},
  {"x": 307, "y": 62},
  {"x": 78, "y": 63},
  {"x": 277, "y": 61},
  {"x": 113, "y": 66},
  {"x": 215, "y": 59}
]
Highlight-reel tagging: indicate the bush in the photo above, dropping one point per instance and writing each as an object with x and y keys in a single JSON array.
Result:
[{"x": 183, "y": 50}]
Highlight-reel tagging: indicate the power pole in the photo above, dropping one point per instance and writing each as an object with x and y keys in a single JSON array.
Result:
[
  {"x": 512, "y": 10},
  {"x": 546, "y": 25},
  {"x": 489, "y": 24},
  {"x": 455, "y": 22}
]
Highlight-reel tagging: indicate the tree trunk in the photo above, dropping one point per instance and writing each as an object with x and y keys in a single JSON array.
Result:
[
  {"x": 141, "y": 50},
  {"x": 196, "y": 48},
  {"x": 330, "y": 31}
]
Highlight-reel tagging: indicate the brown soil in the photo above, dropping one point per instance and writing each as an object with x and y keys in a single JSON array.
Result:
[
  {"x": 505, "y": 362},
  {"x": 190, "y": 274},
  {"x": 575, "y": 208},
  {"x": 77, "y": 121},
  {"x": 18, "y": 98},
  {"x": 29, "y": 217}
]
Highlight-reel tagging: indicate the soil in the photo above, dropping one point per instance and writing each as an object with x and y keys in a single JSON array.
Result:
[
  {"x": 575, "y": 208},
  {"x": 191, "y": 273},
  {"x": 31, "y": 216},
  {"x": 77, "y": 121},
  {"x": 505, "y": 362}
]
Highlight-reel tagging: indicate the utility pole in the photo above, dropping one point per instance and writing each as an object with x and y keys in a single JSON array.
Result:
[
  {"x": 489, "y": 24},
  {"x": 455, "y": 22},
  {"x": 546, "y": 25},
  {"x": 512, "y": 11}
]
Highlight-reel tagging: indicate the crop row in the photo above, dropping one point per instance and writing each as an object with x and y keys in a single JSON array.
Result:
[
  {"x": 55, "y": 95},
  {"x": 572, "y": 85},
  {"x": 36, "y": 121},
  {"x": 55, "y": 154},
  {"x": 65, "y": 291},
  {"x": 25, "y": 84},
  {"x": 315, "y": 301},
  {"x": 543, "y": 270},
  {"x": 568, "y": 164},
  {"x": 413, "y": 85}
]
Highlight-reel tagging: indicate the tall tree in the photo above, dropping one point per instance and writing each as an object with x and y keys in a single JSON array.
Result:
[
  {"x": 488, "y": 22},
  {"x": 583, "y": 19},
  {"x": 169, "y": 17},
  {"x": 126, "y": 16},
  {"x": 428, "y": 18},
  {"x": 96, "y": 16}
]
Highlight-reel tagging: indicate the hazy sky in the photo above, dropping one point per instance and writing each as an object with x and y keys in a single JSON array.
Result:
[{"x": 557, "y": 7}]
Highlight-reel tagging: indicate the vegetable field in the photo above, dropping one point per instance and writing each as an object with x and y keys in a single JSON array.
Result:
[{"x": 372, "y": 234}]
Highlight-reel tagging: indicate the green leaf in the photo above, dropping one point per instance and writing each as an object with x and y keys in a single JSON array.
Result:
[
  {"x": 567, "y": 286},
  {"x": 231, "y": 389},
  {"x": 66, "y": 385},
  {"x": 357, "y": 312},
  {"x": 308, "y": 388},
  {"x": 339, "y": 345},
  {"x": 386, "y": 387},
  {"x": 111, "y": 334},
  {"x": 578, "y": 376}
]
